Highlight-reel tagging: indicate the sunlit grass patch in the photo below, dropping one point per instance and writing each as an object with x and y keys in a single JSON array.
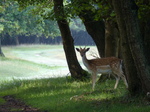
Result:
[
  {"x": 17, "y": 68},
  {"x": 28, "y": 52}
]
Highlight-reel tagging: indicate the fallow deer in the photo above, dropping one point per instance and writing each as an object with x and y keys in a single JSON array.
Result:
[{"x": 109, "y": 65}]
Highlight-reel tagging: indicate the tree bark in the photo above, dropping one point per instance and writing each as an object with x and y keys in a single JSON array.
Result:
[
  {"x": 139, "y": 80},
  {"x": 75, "y": 69},
  {"x": 1, "y": 53},
  {"x": 145, "y": 27},
  {"x": 147, "y": 40},
  {"x": 37, "y": 40},
  {"x": 130, "y": 69},
  {"x": 146, "y": 30},
  {"x": 16, "y": 40},
  {"x": 112, "y": 40}
]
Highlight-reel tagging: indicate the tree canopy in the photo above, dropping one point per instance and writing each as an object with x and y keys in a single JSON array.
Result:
[{"x": 15, "y": 22}]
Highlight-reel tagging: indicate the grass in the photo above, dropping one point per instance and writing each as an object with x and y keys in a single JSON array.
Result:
[
  {"x": 17, "y": 68},
  {"x": 59, "y": 94},
  {"x": 28, "y": 62}
]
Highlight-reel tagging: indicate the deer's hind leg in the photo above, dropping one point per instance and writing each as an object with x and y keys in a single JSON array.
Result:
[
  {"x": 122, "y": 76},
  {"x": 124, "y": 80},
  {"x": 117, "y": 80}
]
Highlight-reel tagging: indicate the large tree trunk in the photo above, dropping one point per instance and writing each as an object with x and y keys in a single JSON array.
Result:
[
  {"x": 126, "y": 12},
  {"x": 112, "y": 40},
  {"x": 146, "y": 35},
  {"x": 146, "y": 30},
  {"x": 145, "y": 27},
  {"x": 1, "y": 53},
  {"x": 75, "y": 69}
]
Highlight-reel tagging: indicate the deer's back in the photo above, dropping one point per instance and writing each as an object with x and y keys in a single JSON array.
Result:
[{"x": 103, "y": 61}]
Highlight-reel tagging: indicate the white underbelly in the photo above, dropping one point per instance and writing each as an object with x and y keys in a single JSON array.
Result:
[{"x": 104, "y": 69}]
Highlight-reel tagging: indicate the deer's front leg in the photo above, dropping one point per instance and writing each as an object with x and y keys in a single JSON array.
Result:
[{"x": 94, "y": 77}]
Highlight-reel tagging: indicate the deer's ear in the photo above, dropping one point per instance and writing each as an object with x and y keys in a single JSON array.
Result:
[
  {"x": 77, "y": 49},
  {"x": 87, "y": 49}
]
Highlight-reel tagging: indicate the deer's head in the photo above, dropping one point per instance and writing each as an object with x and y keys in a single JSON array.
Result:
[{"x": 82, "y": 51}]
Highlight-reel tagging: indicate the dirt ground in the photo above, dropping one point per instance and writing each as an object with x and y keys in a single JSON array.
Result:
[{"x": 15, "y": 105}]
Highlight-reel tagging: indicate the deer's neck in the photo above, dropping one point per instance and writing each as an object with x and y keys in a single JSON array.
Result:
[{"x": 85, "y": 61}]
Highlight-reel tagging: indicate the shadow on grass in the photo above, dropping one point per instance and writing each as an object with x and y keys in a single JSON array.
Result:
[{"x": 59, "y": 95}]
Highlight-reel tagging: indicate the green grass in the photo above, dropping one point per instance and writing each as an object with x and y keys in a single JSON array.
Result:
[
  {"x": 59, "y": 94},
  {"x": 2, "y": 101},
  {"x": 28, "y": 52},
  {"x": 17, "y": 68},
  {"x": 24, "y": 62}
]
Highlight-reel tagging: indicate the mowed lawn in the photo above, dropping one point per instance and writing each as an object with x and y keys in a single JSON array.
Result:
[{"x": 33, "y": 61}]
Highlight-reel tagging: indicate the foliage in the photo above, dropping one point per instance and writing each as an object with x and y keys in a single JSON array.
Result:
[
  {"x": 23, "y": 22},
  {"x": 72, "y": 10},
  {"x": 76, "y": 24},
  {"x": 100, "y": 9},
  {"x": 144, "y": 9},
  {"x": 1, "y": 28},
  {"x": 34, "y": 19}
]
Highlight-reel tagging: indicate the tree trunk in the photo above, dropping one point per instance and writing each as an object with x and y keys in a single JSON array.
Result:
[
  {"x": 130, "y": 68},
  {"x": 1, "y": 53},
  {"x": 16, "y": 40},
  {"x": 75, "y": 69},
  {"x": 37, "y": 40},
  {"x": 145, "y": 27},
  {"x": 111, "y": 39},
  {"x": 126, "y": 12},
  {"x": 146, "y": 30}
]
